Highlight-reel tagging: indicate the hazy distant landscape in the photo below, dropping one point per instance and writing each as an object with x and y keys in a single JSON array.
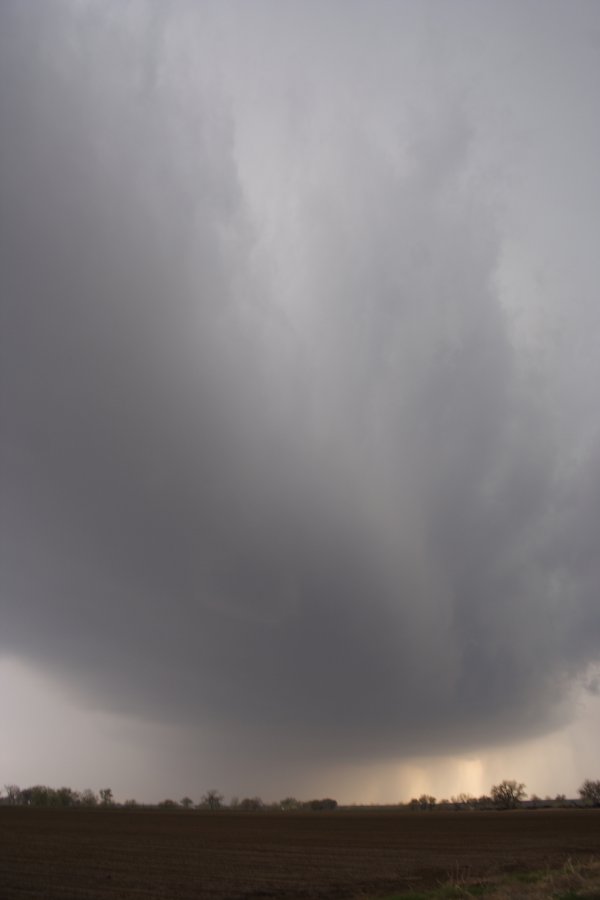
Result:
[{"x": 508, "y": 794}]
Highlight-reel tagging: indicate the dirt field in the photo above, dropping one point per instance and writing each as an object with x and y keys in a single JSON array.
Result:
[{"x": 129, "y": 855}]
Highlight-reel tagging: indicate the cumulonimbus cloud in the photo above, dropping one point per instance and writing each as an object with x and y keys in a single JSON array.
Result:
[{"x": 273, "y": 459}]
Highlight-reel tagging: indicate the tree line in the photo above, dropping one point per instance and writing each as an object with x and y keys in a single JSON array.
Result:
[
  {"x": 508, "y": 794},
  {"x": 41, "y": 795}
]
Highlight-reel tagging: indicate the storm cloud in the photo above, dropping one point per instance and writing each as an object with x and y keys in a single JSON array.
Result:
[{"x": 299, "y": 348}]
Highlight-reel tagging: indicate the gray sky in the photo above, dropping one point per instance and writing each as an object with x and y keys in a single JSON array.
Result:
[{"x": 300, "y": 455}]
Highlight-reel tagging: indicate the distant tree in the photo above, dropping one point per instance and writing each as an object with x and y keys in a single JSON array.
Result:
[
  {"x": 42, "y": 795},
  {"x": 186, "y": 802},
  {"x": 318, "y": 805},
  {"x": 13, "y": 794},
  {"x": 131, "y": 803},
  {"x": 65, "y": 796},
  {"x": 251, "y": 804},
  {"x": 38, "y": 795},
  {"x": 464, "y": 801},
  {"x": 106, "y": 796},
  {"x": 88, "y": 798},
  {"x": 508, "y": 794},
  {"x": 590, "y": 792},
  {"x": 426, "y": 802},
  {"x": 289, "y": 803},
  {"x": 414, "y": 805},
  {"x": 212, "y": 799},
  {"x": 168, "y": 804}
]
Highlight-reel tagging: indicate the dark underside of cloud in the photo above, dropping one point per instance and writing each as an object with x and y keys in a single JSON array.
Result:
[{"x": 301, "y": 487}]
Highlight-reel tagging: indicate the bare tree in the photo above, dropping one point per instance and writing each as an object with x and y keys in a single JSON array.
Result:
[
  {"x": 464, "y": 801},
  {"x": 88, "y": 798},
  {"x": 212, "y": 799},
  {"x": 13, "y": 794},
  {"x": 508, "y": 794},
  {"x": 590, "y": 792},
  {"x": 106, "y": 796},
  {"x": 186, "y": 802}
]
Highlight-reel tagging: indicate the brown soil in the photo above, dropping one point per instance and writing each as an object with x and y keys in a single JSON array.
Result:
[{"x": 140, "y": 854}]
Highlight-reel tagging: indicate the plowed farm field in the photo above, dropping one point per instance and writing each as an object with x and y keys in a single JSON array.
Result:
[{"x": 119, "y": 854}]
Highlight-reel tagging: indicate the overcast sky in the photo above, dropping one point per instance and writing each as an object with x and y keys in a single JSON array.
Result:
[{"x": 300, "y": 347}]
